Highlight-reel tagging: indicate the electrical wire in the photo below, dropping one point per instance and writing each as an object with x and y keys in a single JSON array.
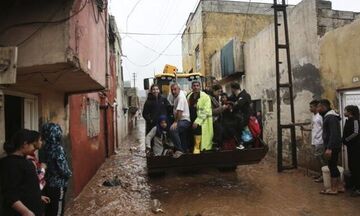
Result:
[
  {"x": 38, "y": 29},
  {"x": 246, "y": 19},
  {"x": 156, "y": 58},
  {"x": 151, "y": 49},
  {"x": 162, "y": 20},
  {"x": 45, "y": 22},
  {"x": 130, "y": 13},
  {"x": 158, "y": 34}
]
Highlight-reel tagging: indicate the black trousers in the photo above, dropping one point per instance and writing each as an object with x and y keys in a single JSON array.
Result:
[
  {"x": 57, "y": 201},
  {"x": 354, "y": 164},
  {"x": 333, "y": 162}
]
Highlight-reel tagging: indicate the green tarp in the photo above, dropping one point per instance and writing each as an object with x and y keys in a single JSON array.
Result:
[{"x": 227, "y": 59}]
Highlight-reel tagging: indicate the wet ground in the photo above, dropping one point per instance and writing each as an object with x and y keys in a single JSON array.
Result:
[{"x": 251, "y": 190}]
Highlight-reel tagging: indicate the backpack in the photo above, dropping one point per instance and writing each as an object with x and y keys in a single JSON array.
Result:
[{"x": 254, "y": 126}]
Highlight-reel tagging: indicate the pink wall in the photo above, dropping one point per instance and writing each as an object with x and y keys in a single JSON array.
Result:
[{"x": 87, "y": 39}]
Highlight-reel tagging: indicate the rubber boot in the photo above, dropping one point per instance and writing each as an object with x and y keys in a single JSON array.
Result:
[{"x": 197, "y": 144}]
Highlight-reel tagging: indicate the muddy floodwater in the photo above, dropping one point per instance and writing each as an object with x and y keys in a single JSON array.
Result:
[{"x": 251, "y": 190}]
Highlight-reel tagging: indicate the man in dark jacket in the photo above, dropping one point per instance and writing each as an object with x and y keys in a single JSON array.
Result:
[
  {"x": 155, "y": 106},
  {"x": 332, "y": 144},
  {"x": 239, "y": 102}
]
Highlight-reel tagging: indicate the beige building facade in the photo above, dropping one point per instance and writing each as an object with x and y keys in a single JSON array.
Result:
[{"x": 213, "y": 24}]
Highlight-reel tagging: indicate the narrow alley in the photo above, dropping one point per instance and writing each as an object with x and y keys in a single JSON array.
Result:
[{"x": 251, "y": 190}]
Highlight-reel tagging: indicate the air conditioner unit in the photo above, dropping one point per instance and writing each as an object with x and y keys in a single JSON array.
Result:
[{"x": 8, "y": 65}]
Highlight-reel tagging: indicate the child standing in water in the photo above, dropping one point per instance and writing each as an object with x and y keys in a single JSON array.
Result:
[{"x": 34, "y": 157}]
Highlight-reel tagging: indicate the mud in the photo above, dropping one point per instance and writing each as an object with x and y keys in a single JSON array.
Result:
[{"x": 251, "y": 190}]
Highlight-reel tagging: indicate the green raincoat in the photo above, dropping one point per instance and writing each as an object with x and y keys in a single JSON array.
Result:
[{"x": 205, "y": 120}]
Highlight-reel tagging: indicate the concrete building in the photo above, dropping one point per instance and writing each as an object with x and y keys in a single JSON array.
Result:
[
  {"x": 324, "y": 56},
  {"x": 215, "y": 23},
  {"x": 316, "y": 64},
  {"x": 67, "y": 72},
  {"x": 121, "y": 114}
]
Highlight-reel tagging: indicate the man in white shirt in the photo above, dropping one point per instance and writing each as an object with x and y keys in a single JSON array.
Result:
[
  {"x": 316, "y": 136},
  {"x": 179, "y": 129}
]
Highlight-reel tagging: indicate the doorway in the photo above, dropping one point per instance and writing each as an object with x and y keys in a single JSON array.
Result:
[
  {"x": 17, "y": 111},
  {"x": 350, "y": 97},
  {"x": 14, "y": 115}
]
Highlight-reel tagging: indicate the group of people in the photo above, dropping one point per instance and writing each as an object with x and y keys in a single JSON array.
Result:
[
  {"x": 35, "y": 173},
  {"x": 197, "y": 121},
  {"x": 327, "y": 141}
]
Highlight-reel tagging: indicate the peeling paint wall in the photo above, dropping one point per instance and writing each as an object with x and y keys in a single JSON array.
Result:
[
  {"x": 260, "y": 78},
  {"x": 87, "y": 153},
  {"x": 319, "y": 66},
  {"x": 340, "y": 59}
]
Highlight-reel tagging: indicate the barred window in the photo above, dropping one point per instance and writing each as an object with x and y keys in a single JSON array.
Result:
[{"x": 93, "y": 118}]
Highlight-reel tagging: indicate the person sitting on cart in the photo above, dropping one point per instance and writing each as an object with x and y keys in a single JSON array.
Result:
[
  {"x": 155, "y": 106},
  {"x": 201, "y": 118},
  {"x": 179, "y": 129},
  {"x": 240, "y": 102},
  {"x": 160, "y": 135},
  {"x": 217, "y": 112}
]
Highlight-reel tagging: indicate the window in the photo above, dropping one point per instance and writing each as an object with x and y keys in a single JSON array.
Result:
[
  {"x": 92, "y": 118},
  {"x": 197, "y": 58}
]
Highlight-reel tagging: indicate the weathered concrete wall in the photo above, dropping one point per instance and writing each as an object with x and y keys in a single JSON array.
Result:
[
  {"x": 88, "y": 153},
  {"x": 329, "y": 19},
  {"x": 46, "y": 35},
  {"x": 215, "y": 23},
  {"x": 260, "y": 72},
  {"x": 306, "y": 26},
  {"x": 340, "y": 59},
  {"x": 220, "y": 28},
  {"x": 191, "y": 38},
  {"x": 73, "y": 41},
  {"x": 87, "y": 32}
]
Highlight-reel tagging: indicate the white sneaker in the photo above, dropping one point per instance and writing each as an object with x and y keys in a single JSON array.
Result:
[
  {"x": 177, "y": 154},
  {"x": 241, "y": 147}
]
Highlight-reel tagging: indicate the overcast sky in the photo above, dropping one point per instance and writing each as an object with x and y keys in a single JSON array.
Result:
[{"x": 147, "y": 54}]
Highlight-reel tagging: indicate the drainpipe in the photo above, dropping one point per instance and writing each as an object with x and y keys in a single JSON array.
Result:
[
  {"x": 106, "y": 133},
  {"x": 106, "y": 106},
  {"x": 107, "y": 75}
]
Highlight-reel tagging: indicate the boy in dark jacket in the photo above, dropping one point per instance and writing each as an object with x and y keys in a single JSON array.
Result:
[
  {"x": 351, "y": 139},
  {"x": 332, "y": 145}
]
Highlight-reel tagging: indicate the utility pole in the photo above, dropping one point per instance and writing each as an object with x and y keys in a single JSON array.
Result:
[
  {"x": 283, "y": 46},
  {"x": 134, "y": 79}
]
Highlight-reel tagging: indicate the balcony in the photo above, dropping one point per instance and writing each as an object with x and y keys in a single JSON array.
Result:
[{"x": 61, "y": 44}]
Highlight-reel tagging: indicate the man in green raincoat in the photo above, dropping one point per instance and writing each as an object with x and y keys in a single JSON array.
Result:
[{"x": 201, "y": 118}]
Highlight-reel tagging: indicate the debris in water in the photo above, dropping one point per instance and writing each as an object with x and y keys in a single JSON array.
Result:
[
  {"x": 112, "y": 182},
  {"x": 156, "y": 206}
]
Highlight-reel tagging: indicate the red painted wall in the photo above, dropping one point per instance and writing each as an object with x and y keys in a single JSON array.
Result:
[
  {"x": 87, "y": 153},
  {"x": 87, "y": 41},
  {"x": 87, "y": 38}
]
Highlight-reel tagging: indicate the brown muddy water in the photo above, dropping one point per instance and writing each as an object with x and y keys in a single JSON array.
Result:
[{"x": 251, "y": 190}]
